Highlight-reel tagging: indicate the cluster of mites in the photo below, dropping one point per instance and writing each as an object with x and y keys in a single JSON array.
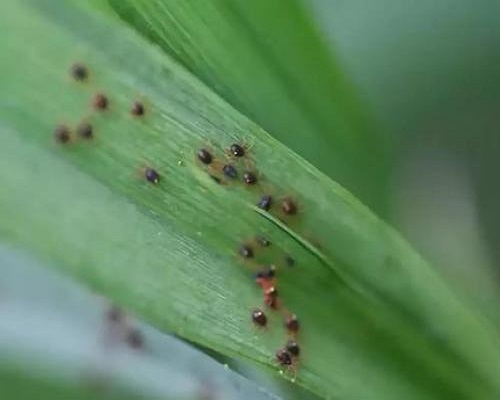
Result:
[
  {"x": 228, "y": 171},
  {"x": 63, "y": 134},
  {"x": 288, "y": 355}
]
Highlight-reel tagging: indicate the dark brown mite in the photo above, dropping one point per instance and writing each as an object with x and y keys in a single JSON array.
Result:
[
  {"x": 293, "y": 348},
  {"x": 263, "y": 241},
  {"x": 62, "y": 134},
  {"x": 229, "y": 171},
  {"x": 152, "y": 176},
  {"x": 265, "y": 202},
  {"x": 284, "y": 357},
  {"x": 204, "y": 156},
  {"x": 137, "y": 109},
  {"x": 249, "y": 178},
  {"x": 292, "y": 323},
  {"x": 259, "y": 318},
  {"x": 289, "y": 207},
  {"x": 84, "y": 130},
  {"x": 237, "y": 150},
  {"x": 267, "y": 273},
  {"x": 79, "y": 72},
  {"x": 246, "y": 251},
  {"x": 134, "y": 339},
  {"x": 100, "y": 102}
]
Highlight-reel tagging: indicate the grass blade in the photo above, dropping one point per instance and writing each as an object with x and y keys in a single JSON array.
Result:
[
  {"x": 266, "y": 59},
  {"x": 369, "y": 305}
]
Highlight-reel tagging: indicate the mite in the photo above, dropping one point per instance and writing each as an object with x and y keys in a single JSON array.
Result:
[
  {"x": 100, "y": 102},
  {"x": 249, "y": 178},
  {"x": 259, "y": 318},
  {"x": 229, "y": 171},
  {"x": 293, "y": 348},
  {"x": 84, "y": 130},
  {"x": 271, "y": 292},
  {"x": 246, "y": 251},
  {"x": 265, "y": 279},
  {"x": 236, "y": 150},
  {"x": 204, "y": 156},
  {"x": 79, "y": 72},
  {"x": 263, "y": 241},
  {"x": 289, "y": 207},
  {"x": 62, "y": 134},
  {"x": 265, "y": 202},
  {"x": 292, "y": 323},
  {"x": 267, "y": 273},
  {"x": 137, "y": 109},
  {"x": 271, "y": 297},
  {"x": 284, "y": 358},
  {"x": 152, "y": 176}
]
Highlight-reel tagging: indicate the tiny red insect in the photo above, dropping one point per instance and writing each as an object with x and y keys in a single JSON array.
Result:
[
  {"x": 137, "y": 109},
  {"x": 289, "y": 207},
  {"x": 100, "y": 101}
]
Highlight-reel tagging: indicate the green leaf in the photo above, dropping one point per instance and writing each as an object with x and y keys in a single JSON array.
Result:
[
  {"x": 57, "y": 341},
  {"x": 266, "y": 59},
  {"x": 377, "y": 322}
]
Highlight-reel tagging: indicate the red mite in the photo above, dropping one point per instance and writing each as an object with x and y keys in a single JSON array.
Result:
[
  {"x": 265, "y": 278},
  {"x": 271, "y": 297},
  {"x": 289, "y": 207},
  {"x": 292, "y": 323},
  {"x": 266, "y": 273},
  {"x": 100, "y": 102},
  {"x": 249, "y": 178},
  {"x": 137, "y": 109},
  {"x": 259, "y": 318}
]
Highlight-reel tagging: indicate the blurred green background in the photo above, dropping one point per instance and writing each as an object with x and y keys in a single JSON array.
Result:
[{"x": 429, "y": 71}]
